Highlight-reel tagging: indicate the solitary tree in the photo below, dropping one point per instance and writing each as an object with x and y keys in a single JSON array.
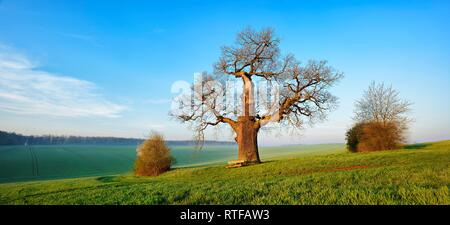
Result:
[
  {"x": 381, "y": 120},
  {"x": 296, "y": 92}
]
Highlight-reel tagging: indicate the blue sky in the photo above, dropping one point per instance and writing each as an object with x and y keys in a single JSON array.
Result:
[{"x": 106, "y": 67}]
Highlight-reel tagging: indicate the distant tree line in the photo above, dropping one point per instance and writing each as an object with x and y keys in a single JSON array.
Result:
[{"x": 11, "y": 138}]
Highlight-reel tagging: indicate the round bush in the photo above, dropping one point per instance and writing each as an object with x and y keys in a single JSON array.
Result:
[
  {"x": 153, "y": 157},
  {"x": 374, "y": 136}
]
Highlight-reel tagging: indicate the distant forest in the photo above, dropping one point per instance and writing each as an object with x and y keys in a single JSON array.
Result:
[{"x": 8, "y": 138}]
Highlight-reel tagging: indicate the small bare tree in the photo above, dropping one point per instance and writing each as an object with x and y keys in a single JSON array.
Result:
[
  {"x": 381, "y": 120},
  {"x": 302, "y": 91},
  {"x": 382, "y": 104}
]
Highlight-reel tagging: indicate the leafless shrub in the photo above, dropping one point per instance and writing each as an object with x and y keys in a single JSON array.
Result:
[
  {"x": 375, "y": 136},
  {"x": 153, "y": 157}
]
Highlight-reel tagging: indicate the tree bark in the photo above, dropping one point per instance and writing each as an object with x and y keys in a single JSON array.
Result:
[
  {"x": 246, "y": 130},
  {"x": 247, "y": 140}
]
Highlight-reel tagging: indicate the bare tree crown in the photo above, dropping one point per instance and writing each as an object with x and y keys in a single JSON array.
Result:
[
  {"x": 255, "y": 53},
  {"x": 293, "y": 92},
  {"x": 382, "y": 103}
]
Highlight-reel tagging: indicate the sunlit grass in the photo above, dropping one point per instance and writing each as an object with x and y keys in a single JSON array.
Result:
[
  {"x": 66, "y": 161},
  {"x": 414, "y": 175}
]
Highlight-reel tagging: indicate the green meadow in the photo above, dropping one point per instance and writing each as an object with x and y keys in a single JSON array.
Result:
[
  {"x": 40, "y": 162},
  {"x": 318, "y": 174}
]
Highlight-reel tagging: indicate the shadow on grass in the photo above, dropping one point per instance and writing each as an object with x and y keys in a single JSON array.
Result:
[
  {"x": 267, "y": 161},
  {"x": 417, "y": 146},
  {"x": 107, "y": 179}
]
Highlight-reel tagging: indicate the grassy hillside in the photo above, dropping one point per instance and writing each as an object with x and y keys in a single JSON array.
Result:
[
  {"x": 43, "y": 162},
  {"x": 418, "y": 174}
]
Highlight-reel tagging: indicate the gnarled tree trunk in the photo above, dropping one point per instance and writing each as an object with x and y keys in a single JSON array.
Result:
[
  {"x": 247, "y": 140},
  {"x": 246, "y": 130}
]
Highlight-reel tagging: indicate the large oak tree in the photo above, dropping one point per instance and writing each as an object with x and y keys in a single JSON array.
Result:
[{"x": 301, "y": 91}]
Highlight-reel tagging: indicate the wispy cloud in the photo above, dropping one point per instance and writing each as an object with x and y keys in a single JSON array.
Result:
[
  {"x": 12, "y": 60},
  {"x": 27, "y": 90}
]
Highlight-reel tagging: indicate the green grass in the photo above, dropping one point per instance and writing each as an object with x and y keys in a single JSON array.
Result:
[
  {"x": 418, "y": 174},
  {"x": 28, "y": 163}
]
